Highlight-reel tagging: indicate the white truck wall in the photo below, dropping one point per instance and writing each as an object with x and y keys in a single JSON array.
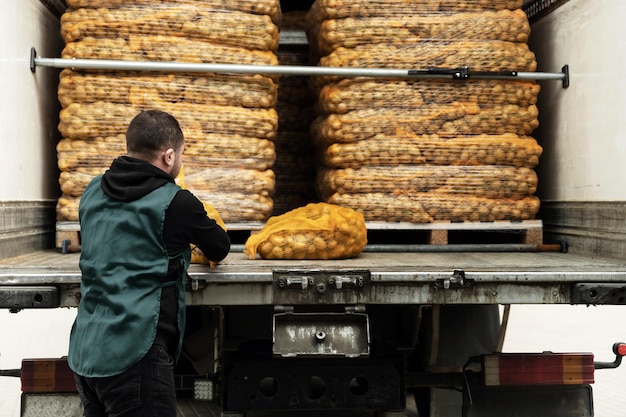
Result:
[
  {"x": 28, "y": 105},
  {"x": 583, "y": 128}
]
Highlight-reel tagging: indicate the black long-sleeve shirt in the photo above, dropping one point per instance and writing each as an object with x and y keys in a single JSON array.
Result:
[{"x": 185, "y": 223}]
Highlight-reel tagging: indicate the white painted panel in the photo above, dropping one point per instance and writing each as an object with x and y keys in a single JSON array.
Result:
[
  {"x": 28, "y": 103},
  {"x": 583, "y": 128}
]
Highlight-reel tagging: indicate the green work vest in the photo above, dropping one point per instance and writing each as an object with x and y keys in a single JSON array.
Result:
[{"x": 124, "y": 264}]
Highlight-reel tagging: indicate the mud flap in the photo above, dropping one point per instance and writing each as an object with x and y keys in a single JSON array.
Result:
[{"x": 528, "y": 401}]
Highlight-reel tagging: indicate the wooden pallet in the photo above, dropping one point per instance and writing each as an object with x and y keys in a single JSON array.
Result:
[
  {"x": 527, "y": 232},
  {"x": 68, "y": 237}
]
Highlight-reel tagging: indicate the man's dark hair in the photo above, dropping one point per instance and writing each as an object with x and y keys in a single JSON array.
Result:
[{"x": 153, "y": 131}]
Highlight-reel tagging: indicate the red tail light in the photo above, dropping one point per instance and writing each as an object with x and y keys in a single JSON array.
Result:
[
  {"x": 47, "y": 375},
  {"x": 538, "y": 369}
]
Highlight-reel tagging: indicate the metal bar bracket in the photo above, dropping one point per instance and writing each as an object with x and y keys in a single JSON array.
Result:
[
  {"x": 565, "y": 71},
  {"x": 460, "y": 73}
]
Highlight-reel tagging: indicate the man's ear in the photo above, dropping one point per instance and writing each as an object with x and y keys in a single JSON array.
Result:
[{"x": 169, "y": 157}]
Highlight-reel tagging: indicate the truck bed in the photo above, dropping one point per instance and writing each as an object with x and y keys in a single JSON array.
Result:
[{"x": 383, "y": 278}]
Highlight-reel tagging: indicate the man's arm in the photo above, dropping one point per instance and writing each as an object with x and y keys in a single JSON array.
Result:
[{"x": 186, "y": 222}]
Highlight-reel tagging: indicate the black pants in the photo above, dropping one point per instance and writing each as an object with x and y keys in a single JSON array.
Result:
[{"x": 145, "y": 390}]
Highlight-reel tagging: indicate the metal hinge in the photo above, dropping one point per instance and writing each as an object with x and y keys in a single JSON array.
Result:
[
  {"x": 321, "y": 281},
  {"x": 456, "y": 281}
]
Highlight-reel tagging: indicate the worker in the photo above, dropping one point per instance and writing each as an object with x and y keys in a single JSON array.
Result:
[{"x": 137, "y": 227}]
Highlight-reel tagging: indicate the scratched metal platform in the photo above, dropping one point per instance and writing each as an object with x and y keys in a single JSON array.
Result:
[{"x": 389, "y": 278}]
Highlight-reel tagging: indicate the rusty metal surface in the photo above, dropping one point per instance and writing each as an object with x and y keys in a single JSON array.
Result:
[{"x": 321, "y": 335}]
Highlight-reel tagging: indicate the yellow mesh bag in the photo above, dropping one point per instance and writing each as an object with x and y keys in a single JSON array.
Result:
[
  {"x": 315, "y": 231},
  {"x": 503, "y": 25},
  {"x": 197, "y": 257}
]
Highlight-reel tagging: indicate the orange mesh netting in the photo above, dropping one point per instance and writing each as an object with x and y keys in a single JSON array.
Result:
[{"x": 315, "y": 231}]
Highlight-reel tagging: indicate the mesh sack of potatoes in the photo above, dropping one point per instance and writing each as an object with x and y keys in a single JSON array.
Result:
[
  {"x": 199, "y": 178},
  {"x": 339, "y": 9},
  {"x": 210, "y": 150},
  {"x": 165, "y": 48},
  {"x": 246, "y": 30},
  {"x": 504, "y": 25},
  {"x": 91, "y": 170},
  {"x": 481, "y": 55},
  {"x": 497, "y": 120},
  {"x": 84, "y": 162},
  {"x": 219, "y": 150},
  {"x": 101, "y": 119},
  {"x": 261, "y": 7},
  {"x": 381, "y": 150},
  {"x": 315, "y": 231},
  {"x": 445, "y": 120},
  {"x": 236, "y": 207},
  {"x": 429, "y": 207},
  {"x": 360, "y": 94},
  {"x": 74, "y": 154},
  {"x": 67, "y": 208},
  {"x": 73, "y": 183},
  {"x": 120, "y": 87},
  {"x": 483, "y": 181},
  {"x": 95, "y": 120},
  {"x": 486, "y": 93},
  {"x": 226, "y": 120}
]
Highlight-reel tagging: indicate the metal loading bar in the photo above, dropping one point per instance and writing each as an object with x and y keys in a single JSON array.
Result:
[{"x": 462, "y": 73}]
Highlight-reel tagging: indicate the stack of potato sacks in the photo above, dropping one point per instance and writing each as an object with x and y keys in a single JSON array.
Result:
[
  {"x": 426, "y": 150},
  {"x": 229, "y": 120},
  {"x": 295, "y": 164}
]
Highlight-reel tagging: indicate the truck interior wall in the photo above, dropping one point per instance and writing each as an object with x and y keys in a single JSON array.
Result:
[
  {"x": 29, "y": 128},
  {"x": 581, "y": 172}
]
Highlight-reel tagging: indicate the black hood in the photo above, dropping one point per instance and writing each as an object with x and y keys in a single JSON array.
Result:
[{"x": 129, "y": 179}]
